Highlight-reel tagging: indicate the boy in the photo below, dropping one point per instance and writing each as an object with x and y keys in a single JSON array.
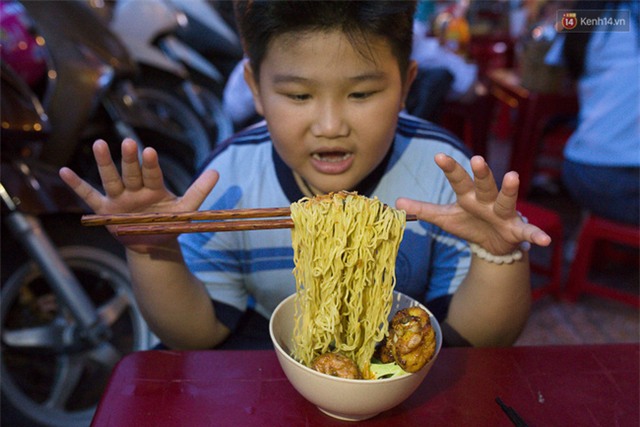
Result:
[{"x": 330, "y": 79}]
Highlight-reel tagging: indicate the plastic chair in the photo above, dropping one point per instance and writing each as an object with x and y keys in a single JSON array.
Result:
[
  {"x": 534, "y": 112},
  {"x": 551, "y": 222},
  {"x": 597, "y": 229},
  {"x": 471, "y": 122}
]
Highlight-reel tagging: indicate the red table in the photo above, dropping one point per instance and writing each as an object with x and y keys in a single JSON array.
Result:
[{"x": 548, "y": 386}]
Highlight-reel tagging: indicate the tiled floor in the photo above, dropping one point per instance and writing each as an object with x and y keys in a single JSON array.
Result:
[{"x": 590, "y": 320}]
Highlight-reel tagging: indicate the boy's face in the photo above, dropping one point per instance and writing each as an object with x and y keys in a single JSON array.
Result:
[{"x": 332, "y": 113}]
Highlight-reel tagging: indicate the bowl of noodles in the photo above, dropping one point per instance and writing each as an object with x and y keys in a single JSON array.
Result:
[
  {"x": 345, "y": 398},
  {"x": 346, "y": 340}
]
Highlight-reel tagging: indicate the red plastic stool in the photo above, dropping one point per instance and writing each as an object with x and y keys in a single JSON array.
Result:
[
  {"x": 550, "y": 222},
  {"x": 593, "y": 230}
]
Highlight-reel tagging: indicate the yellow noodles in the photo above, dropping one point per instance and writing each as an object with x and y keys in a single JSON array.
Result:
[{"x": 345, "y": 249}]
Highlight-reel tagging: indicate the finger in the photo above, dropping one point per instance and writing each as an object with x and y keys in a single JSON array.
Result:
[
  {"x": 535, "y": 235},
  {"x": 131, "y": 170},
  {"x": 152, "y": 176},
  {"x": 83, "y": 189},
  {"x": 109, "y": 175},
  {"x": 505, "y": 205},
  {"x": 486, "y": 188},
  {"x": 428, "y": 212},
  {"x": 200, "y": 189},
  {"x": 539, "y": 237},
  {"x": 456, "y": 175}
]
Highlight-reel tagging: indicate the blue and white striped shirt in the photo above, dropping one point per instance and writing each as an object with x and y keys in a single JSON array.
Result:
[{"x": 255, "y": 267}]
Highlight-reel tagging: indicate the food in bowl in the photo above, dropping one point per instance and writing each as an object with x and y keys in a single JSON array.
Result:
[
  {"x": 409, "y": 345},
  {"x": 346, "y": 399},
  {"x": 345, "y": 247},
  {"x": 411, "y": 342},
  {"x": 337, "y": 365}
]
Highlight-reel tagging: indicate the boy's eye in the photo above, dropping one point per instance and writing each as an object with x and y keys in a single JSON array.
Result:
[
  {"x": 298, "y": 96},
  {"x": 361, "y": 95}
]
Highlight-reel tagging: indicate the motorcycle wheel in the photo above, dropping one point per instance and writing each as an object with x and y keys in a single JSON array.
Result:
[
  {"x": 209, "y": 109},
  {"x": 45, "y": 380},
  {"x": 174, "y": 122},
  {"x": 176, "y": 177}
]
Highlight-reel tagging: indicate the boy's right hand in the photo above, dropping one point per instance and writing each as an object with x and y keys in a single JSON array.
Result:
[{"x": 140, "y": 189}]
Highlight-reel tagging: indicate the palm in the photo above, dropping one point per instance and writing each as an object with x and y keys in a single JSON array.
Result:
[
  {"x": 481, "y": 214},
  {"x": 139, "y": 188}
]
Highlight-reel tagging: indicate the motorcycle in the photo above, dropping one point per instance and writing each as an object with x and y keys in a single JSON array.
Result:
[
  {"x": 207, "y": 32},
  {"x": 90, "y": 91},
  {"x": 68, "y": 313},
  {"x": 154, "y": 33}
]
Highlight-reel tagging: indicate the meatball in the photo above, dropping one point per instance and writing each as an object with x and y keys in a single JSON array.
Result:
[{"x": 337, "y": 365}]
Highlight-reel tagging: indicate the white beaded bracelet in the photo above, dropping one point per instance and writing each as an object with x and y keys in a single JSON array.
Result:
[{"x": 482, "y": 253}]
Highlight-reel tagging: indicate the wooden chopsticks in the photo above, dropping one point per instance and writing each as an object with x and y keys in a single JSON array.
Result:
[
  {"x": 181, "y": 222},
  {"x": 128, "y": 218},
  {"x": 206, "y": 221}
]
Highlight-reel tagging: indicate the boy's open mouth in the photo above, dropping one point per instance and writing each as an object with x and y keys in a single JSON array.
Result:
[
  {"x": 332, "y": 162},
  {"x": 331, "y": 156}
]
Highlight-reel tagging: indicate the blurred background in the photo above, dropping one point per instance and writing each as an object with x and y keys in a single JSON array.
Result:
[{"x": 167, "y": 73}]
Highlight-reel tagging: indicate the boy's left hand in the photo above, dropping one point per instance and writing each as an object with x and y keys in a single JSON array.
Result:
[{"x": 482, "y": 214}]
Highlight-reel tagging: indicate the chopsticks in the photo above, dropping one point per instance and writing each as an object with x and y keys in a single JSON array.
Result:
[
  {"x": 181, "y": 222},
  {"x": 206, "y": 221},
  {"x": 511, "y": 413}
]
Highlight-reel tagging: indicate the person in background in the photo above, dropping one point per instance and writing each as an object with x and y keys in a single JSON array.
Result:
[
  {"x": 441, "y": 40},
  {"x": 330, "y": 79},
  {"x": 601, "y": 167},
  {"x": 443, "y": 74}
]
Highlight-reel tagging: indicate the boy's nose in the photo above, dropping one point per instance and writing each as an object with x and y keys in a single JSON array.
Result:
[{"x": 329, "y": 121}]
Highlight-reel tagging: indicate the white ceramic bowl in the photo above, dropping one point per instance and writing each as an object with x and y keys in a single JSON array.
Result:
[{"x": 341, "y": 398}]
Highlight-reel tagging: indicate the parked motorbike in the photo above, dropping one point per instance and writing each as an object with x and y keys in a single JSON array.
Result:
[
  {"x": 68, "y": 313},
  {"x": 90, "y": 92},
  {"x": 206, "y": 31},
  {"x": 152, "y": 32},
  {"x": 67, "y": 310}
]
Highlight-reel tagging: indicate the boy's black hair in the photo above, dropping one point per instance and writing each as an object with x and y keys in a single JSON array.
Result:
[{"x": 260, "y": 21}]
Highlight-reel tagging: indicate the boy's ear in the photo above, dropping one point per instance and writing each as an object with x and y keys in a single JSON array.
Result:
[
  {"x": 412, "y": 72},
  {"x": 250, "y": 78}
]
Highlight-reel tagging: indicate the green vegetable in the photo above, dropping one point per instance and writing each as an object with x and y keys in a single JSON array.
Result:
[{"x": 386, "y": 370}]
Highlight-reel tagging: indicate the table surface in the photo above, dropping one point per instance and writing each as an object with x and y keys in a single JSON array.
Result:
[{"x": 593, "y": 385}]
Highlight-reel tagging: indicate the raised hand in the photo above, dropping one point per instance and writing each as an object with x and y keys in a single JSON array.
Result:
[
  {"x": 140, "y": 188},
  {"x": 482, "y": 214}
]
